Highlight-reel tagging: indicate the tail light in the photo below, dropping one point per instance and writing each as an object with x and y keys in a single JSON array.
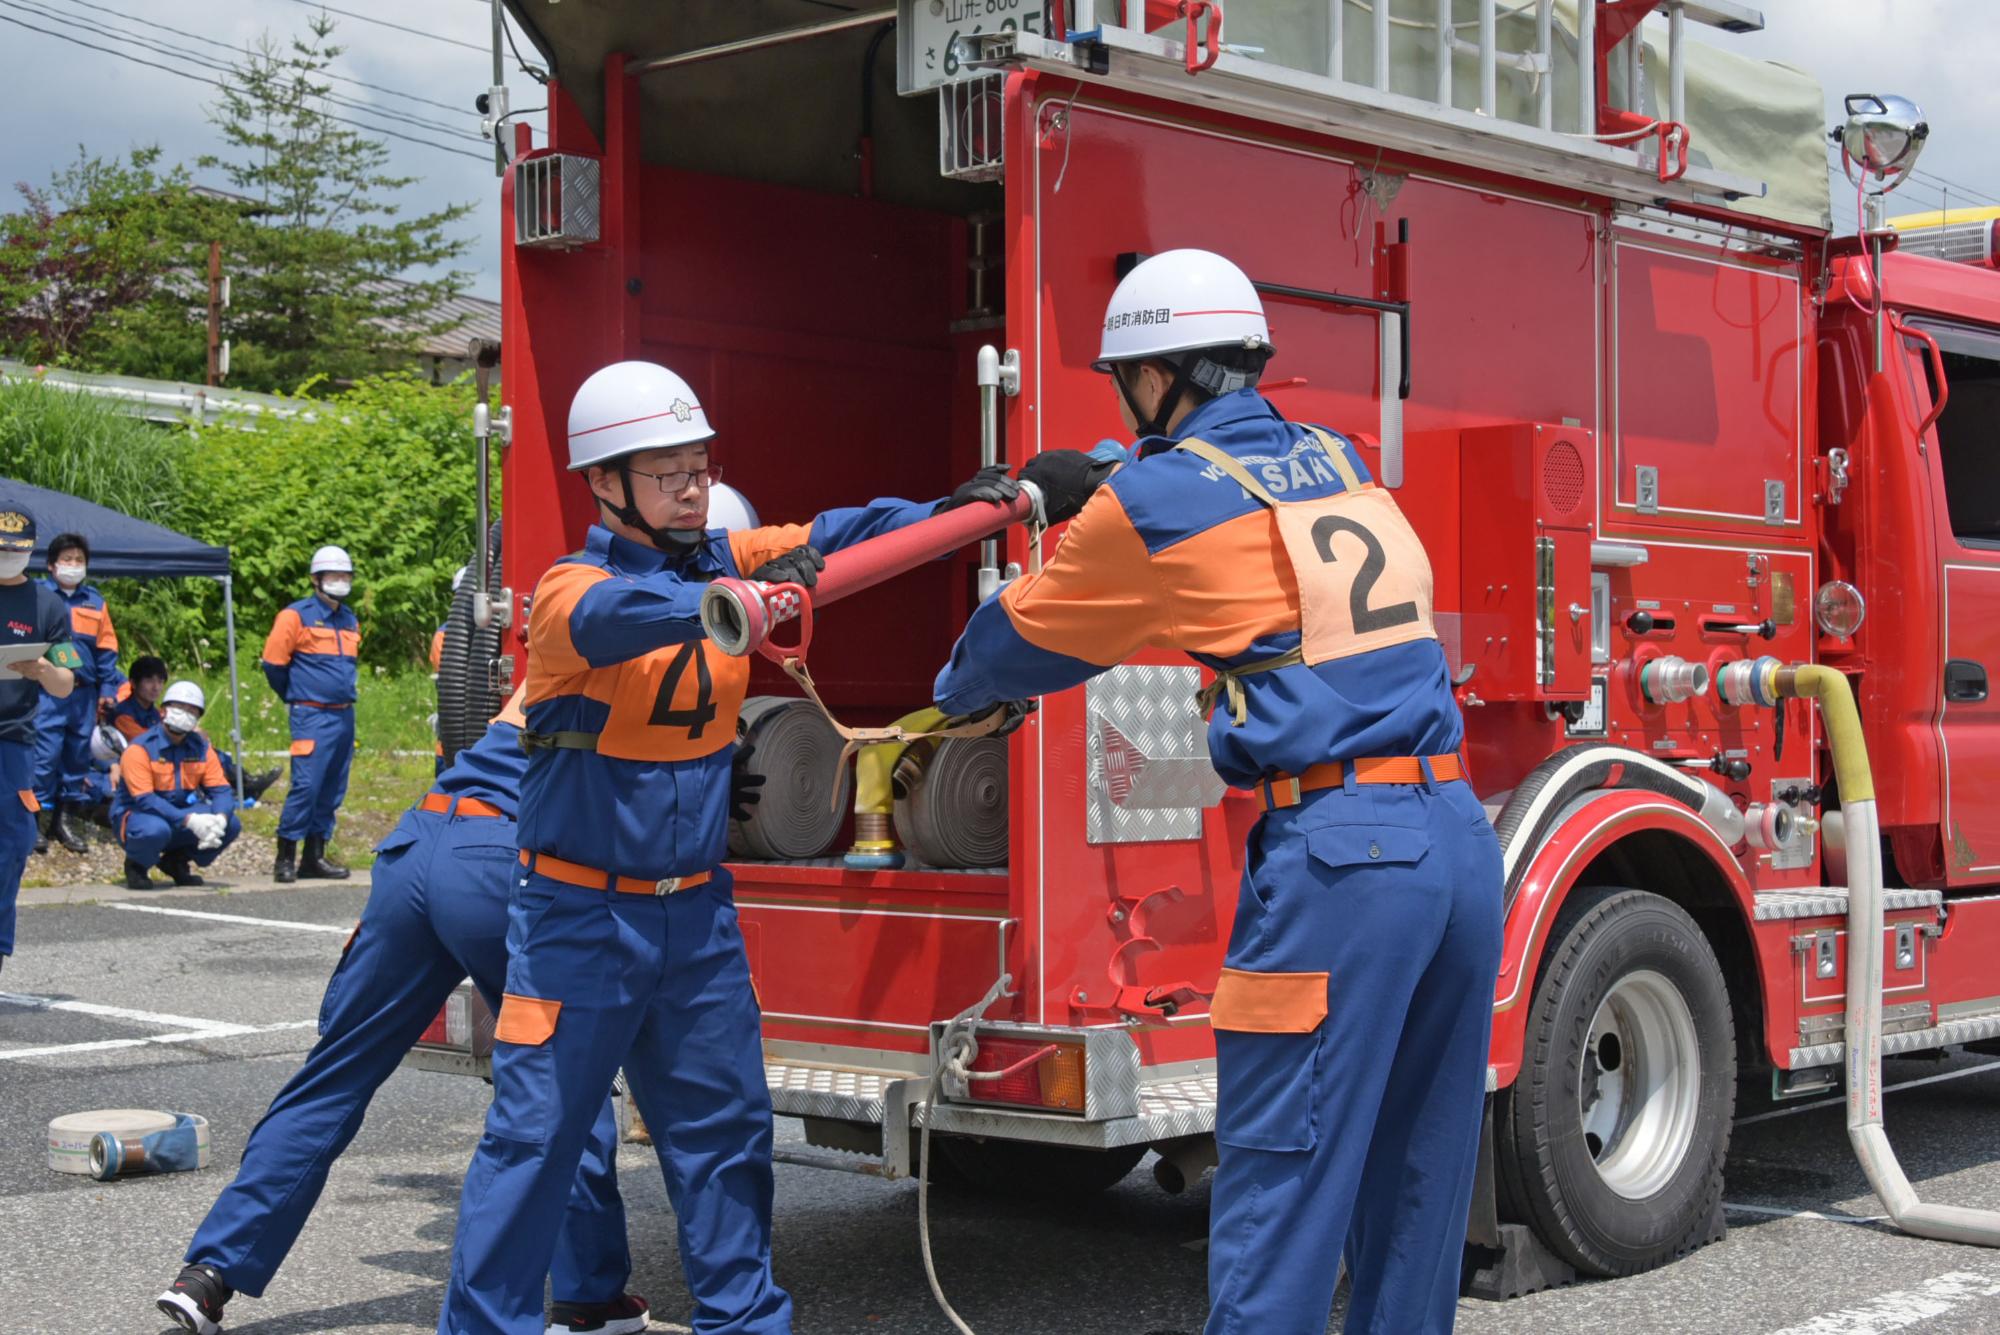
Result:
[
  {"x": 463, "y": 1024},
  {"x": 1028, "y": 1073}
]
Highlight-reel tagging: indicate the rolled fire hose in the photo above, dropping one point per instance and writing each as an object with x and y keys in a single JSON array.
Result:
[
  {"x": 1946, "y": 1223},
  {"x": 804, "y": 799},
  {"x": 739, "y": 614},
  {"x": 951, "y": 809},
  {"x": 126, "y": 1142}
]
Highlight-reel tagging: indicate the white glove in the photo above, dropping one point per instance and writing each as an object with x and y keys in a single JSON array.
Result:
[{"x": 208, "y": 829}]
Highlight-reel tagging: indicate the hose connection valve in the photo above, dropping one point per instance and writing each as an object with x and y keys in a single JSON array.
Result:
[
  {"x": 1666, "y": 681},
  {"x": 1750, "y": 681}
]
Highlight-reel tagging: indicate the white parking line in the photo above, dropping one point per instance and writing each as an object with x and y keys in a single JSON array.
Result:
[
  {"x": 194, "y": 1030},
  {"x": 1823, "y": 1216},
  {"x": 231, "y": 917},
  {"x": 1905, "y": 1307},
  {"x": 1842, "y": 1100}
]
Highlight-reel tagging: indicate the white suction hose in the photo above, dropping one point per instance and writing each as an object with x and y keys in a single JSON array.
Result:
[{"x": 1947, "y": 1223}]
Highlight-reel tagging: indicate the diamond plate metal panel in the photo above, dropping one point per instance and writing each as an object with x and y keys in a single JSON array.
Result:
[
  {"x": 1831, "y": 902},
  {"x": 1148, "y": 771}
]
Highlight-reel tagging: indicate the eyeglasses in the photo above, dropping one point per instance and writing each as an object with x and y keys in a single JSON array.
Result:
[{"x": 672, "y": 484}]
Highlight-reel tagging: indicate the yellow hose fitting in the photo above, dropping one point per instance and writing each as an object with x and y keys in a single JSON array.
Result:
[
  {"x": 1843, "y": 724},
  {"x": 875, "y": 796}
]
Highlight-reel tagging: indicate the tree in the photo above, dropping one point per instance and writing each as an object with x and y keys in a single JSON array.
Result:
[
  {"x": 104, "y": 266},
  {"x": 318, "y": 269}
]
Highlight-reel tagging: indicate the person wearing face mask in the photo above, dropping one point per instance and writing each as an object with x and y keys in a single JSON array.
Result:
[
  {"x": 172, "y": 807},
  {"x": 138, "y": 709},
  {"x": 623, "y": 946},
  {"x": 62, "y": 748},
  {"x": 310, "y": 660},
  {"x": 29, "y": 614}
]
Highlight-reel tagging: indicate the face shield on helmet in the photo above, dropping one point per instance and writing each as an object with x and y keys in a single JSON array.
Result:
[
  {"x": 1194, "y": 311},
  {"x": 623, "y": 410},
  {"x": 106, "y": 744}
]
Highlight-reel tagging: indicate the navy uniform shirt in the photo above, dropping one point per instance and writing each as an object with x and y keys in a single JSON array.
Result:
[{"x": 29, "y": 612}]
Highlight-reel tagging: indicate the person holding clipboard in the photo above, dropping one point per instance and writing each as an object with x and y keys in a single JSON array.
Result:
[{"x": 35, "y": 657}]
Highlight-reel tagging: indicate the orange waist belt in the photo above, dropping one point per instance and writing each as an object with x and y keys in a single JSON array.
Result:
[
  {"x": 1286, "y": 790},
  {"x": 446, "y": 805},
  {"x": 592, "y": 878}
]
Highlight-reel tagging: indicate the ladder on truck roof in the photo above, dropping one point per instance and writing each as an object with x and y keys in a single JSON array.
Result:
[{"x": 1625, "y": 153}]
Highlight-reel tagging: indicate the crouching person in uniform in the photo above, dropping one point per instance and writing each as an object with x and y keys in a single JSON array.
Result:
[
  {"x": 437, "y": 913},
  {"x": 623, "y": 945},
  {"x": 1352, "y": 1015},
  {"x": 172, "y": 806}
]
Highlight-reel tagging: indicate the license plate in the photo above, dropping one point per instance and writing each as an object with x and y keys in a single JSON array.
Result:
[{"x": 927, "y": 33}]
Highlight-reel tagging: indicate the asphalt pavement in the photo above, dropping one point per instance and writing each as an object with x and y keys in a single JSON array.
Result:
[{"x": 204, "y": 1002}]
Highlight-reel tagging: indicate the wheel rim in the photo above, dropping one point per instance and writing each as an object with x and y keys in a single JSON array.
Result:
[{"x": 1639, "y": 1084}]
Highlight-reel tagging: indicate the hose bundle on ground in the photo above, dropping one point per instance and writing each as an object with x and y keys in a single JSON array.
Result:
[
  {"x": 951, "y": 801},
  {"x": 807, "y": 789}
]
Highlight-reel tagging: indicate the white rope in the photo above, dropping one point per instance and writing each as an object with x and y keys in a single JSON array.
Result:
[{"x": 957, "y": 1047}]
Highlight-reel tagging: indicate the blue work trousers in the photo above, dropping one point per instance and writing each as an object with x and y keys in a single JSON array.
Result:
[
  {"x": 62, "y": 746},
  {"x": 661, "y": 984},
  {"x": 17, "y": 829},
  {"x": 1358, "y": 1132},
  {"x": 147, "y": 838},
  {"x": 437, "y": 913},
  {"x": 322, "y": 748}
]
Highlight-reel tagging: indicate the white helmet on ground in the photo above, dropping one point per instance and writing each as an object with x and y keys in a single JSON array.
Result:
[
  {"x": 1179, "y": 301},
  {"x": 729, "y": 508},
  {"x": 106, "y": 744},
  {"x": 631, "y": 406},
  {"x": 331, "y": 560},
  {"x": 185, "y": 693}
]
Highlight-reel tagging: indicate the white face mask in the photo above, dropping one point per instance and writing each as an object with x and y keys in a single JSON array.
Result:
[
  {"x": 70, "y": 574},
  {"x": 178, "y": 719},
  {"x": 13, "y": 564},
  {"x": 337, "y": 588}
]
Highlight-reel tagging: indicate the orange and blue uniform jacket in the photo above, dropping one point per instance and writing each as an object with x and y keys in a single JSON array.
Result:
[
  {"x": 170, "y": 780},
  {"x": 1171, "y": 554},
  {"x": 95, "y": 638},
  {"x": 616, "y": 648},
  {"x": 310, "y": 654},
  {"x": 133, "y": 716}
]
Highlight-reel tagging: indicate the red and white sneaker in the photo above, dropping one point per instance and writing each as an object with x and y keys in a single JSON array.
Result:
[
  {"x": 195, "y": 1299},
  {"x": 627, "y": 1314}
]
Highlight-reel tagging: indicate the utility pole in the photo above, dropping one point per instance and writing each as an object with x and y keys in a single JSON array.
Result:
[{"x": 218, "y": 297}]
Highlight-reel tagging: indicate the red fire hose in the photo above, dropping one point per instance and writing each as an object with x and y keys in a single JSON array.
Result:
[{"x": 740, "y": 614}]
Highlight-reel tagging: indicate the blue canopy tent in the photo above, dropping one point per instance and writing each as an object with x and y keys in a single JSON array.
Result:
[{"x": 122, "y": 547}]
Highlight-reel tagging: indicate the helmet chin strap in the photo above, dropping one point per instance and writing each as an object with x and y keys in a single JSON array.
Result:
[
  {"x": 670, "y": 540},
  {"x": 1156, "y": 424}
]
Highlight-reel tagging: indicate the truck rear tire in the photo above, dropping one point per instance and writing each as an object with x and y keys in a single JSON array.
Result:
[
  {"x": 1610, "y": 1144},
  {"x": 1043, "y": 1172}
]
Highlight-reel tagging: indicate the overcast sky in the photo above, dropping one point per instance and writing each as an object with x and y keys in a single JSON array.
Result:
[{"x": 61, "y": 95}]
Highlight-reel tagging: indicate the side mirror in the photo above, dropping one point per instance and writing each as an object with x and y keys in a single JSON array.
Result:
[{"x": 1884, "y": 135}]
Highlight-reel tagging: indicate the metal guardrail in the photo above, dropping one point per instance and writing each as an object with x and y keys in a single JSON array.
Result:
[{"x": 167, "y": 401}]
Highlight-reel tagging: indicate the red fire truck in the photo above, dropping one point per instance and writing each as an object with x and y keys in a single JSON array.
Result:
[{"x": 1571, "y": 274}]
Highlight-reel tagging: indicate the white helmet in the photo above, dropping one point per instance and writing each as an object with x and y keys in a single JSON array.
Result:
[
  {"x": 729, "y": 508},
  {"x": 632, "y": 406},
  {"x": 334, "y": 559},
  {"x": 106, "y": 744},
  {"x": 185, "y": 693},
  {"x": 1178, "y": 301}
]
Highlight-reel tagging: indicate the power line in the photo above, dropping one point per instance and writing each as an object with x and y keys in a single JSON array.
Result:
[
  {"x": 415, "y": 32},
  {"x": 183, "y": 74},
  {"x": 157, "y": 47},
  {"x": 234, "y": 49},
  {"x": 1955, "y": 187}
]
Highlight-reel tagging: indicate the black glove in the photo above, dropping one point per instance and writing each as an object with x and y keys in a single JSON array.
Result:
[
  {"x": 1066, "y": 479},
  {"x": 743, "y": 785},
  {"x": 1013, "y": 714},
  {"x": 801, "y": 565},
  {"x": 990, "y": 483}
]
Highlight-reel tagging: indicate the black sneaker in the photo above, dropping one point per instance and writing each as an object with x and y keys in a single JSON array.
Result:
[
  {"x": 180, "y": 866},
  {"x": 627, "y": 1314},
  {"x": 195, "y": 1299}
]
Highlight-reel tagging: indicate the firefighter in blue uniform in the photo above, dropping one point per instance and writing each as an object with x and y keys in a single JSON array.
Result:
[
  {"x": 173, "y": 806},
  {"x": 436, "y": 913},
  {"x": 1352, "y": 1015},
  {"x": 310, "y": 660},
  {"x": 29, "y": 614},
  {"x": 138, "y": 708},
  {"x": 63, "y": 774},
  {"x": 624, "y": 946}
]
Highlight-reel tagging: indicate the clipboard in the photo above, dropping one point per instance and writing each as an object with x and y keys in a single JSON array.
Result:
[{"x": 11, "y": 654}]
